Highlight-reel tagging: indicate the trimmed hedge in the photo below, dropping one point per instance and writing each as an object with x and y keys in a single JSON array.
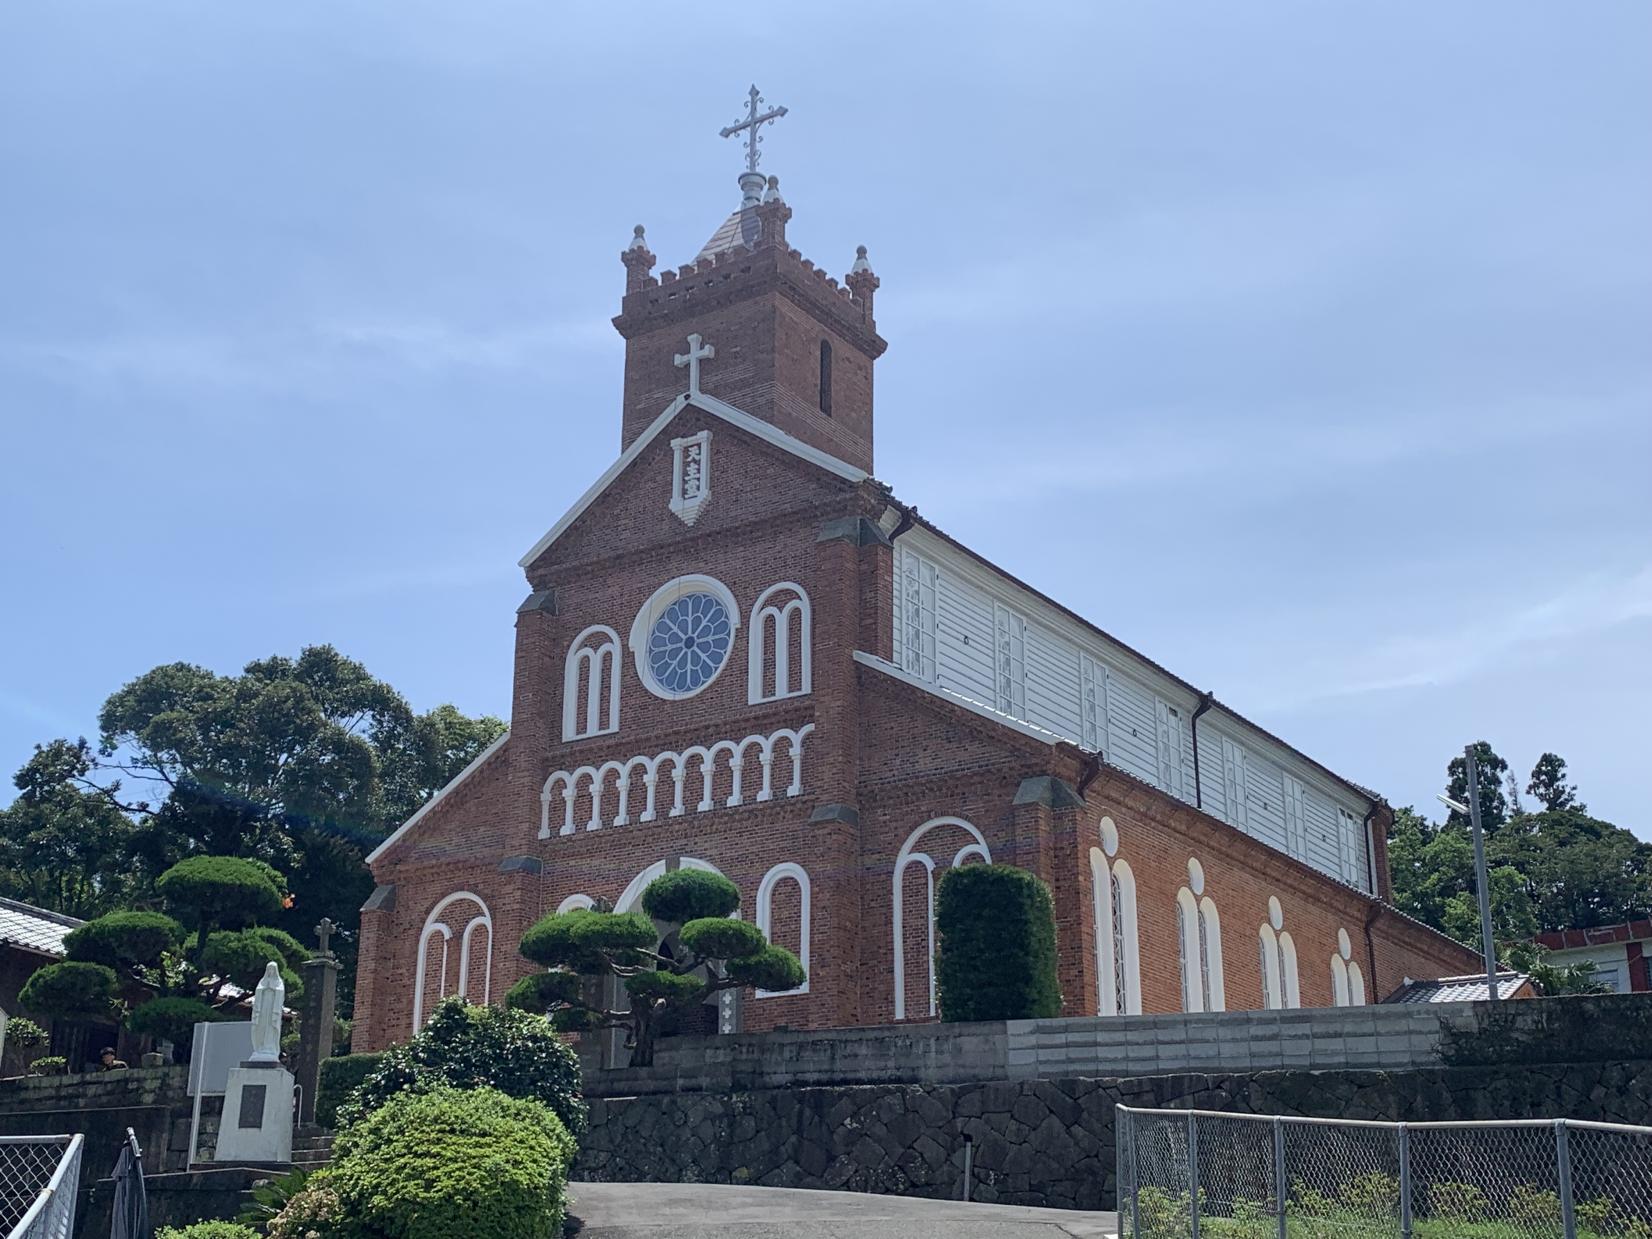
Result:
[
  {"x": 71, "y": 990},
  {"x": 996, "y": 956},
  {"x": 455, "y": 1164},
  {"x": 171, "y": 1019},
  {"x": 223, "y": 891},
  {"x": 684, "y": 895},
  {"x": 207, "y": 1230},
  {"x": 473, "y": 1047},
  {"x": 121, "y": 938},
  {"x": 340, "y": 1077}
]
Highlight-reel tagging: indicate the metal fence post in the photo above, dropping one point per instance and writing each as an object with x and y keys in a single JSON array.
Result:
[
  {"x": 1279, "y": 1173},
  {"x": 1193, "y": 1173},
  {"x": 1563, "y": 1168},
  {"x": 1405, "y": 1182}
]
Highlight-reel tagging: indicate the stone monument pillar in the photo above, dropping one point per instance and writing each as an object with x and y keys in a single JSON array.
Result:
[
  {"x": 257, "y": 1124},
  {"x": 315, "y": 1029}
]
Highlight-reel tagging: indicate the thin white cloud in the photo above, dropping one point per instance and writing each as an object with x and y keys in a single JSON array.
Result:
[{"x": 1491, "y": 635}]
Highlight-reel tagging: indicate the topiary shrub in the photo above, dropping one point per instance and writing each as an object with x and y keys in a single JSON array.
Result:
[
  {"x": 51, "y": 1065},
  {"x": 207, "y": 1230},
  {"x": 171, "y": 1019},
  {"x": 340, "y": 1077},
  {"x": 470, "y": 1047},
  {"x": 996, "y": 956},
  {"x": 454, "y": 1164},
  {"x": 71, "y": 990},
  {"x": 121, "y": 939},
  {"x": 221, "y": 891},
  {"x": 241, "y": 954},
  {"x": 684, "y": 895}
]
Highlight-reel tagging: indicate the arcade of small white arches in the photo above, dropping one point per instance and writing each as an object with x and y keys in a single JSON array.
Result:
[{"x": 456, "y": 945}]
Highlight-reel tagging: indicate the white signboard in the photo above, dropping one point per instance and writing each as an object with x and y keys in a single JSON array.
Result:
[{"x": 217, "y": 1048}]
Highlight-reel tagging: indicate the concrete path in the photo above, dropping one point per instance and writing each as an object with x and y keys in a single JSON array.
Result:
[{"x": 712, "y": 1211}]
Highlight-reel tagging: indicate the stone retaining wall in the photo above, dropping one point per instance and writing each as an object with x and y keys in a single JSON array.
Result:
[
  {"x": 1391, "y": 1037},
  {"x": 153, "y": 1101},
  {"x": 1043, "y": 1142}
]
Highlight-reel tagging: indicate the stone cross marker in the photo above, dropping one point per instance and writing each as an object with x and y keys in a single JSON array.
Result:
[{"x": 315, "y": 1028}]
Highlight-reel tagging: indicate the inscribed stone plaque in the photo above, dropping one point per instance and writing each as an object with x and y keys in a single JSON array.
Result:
[{"x": 252, "y": 1106}]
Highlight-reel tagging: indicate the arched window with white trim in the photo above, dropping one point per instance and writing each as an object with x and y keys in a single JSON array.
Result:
[
  {"x": 777, "y": 645},
  {"x": 787, "y": 884},
  {"x": 914, "y": 935},
  {"x": 1281, "y": 988},
  {"x": 455, "y": 955},
  {"x": 591, "y": 684},
  {"x": 1347, "y": 981},
  {"x": 1113, "y": 908},
  {"x": 1199, "y": 937}
]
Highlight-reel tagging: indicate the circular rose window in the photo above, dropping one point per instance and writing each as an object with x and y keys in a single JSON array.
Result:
[{"x": 689, "y": 643}]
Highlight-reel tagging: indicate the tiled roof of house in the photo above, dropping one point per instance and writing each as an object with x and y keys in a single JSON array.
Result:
[
  {"x": 1600, "y": 935},
  {"x": 35, "y": 929},
  {"x": 1459, "y": 989}
]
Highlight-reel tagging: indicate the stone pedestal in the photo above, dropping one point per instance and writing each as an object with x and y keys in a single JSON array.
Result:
[{"x": 257, "y": 1124}]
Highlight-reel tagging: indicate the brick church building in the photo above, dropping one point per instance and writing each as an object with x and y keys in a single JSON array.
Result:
[{"x": 741, "y": 651}]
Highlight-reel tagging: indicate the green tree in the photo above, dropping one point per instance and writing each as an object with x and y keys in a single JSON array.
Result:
[
  {"x": 188, "y": 965},
  {"x": 683, "y": 950},
  {"x": 1548, "y": 784},
  {"x": 1579, "y": 871},
  {"x": 304, "y": 763},
  {"x": 61, "y": 846},
  {"x": 1489, "y": 770}
]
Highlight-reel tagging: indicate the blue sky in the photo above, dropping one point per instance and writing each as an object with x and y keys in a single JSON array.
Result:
[{"x": 1303, "y": 346}]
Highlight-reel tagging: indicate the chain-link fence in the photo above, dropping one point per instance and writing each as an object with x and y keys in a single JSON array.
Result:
[
  {"x": 1197, "y": 1174},
  {"x": 39, "y": 1179}
]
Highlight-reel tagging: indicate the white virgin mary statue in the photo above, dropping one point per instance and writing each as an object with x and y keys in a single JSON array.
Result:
[{"x": 267, "y": 1002}]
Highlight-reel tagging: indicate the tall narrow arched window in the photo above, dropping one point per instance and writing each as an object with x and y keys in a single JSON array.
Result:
[
  {"x": 777, "y": 645},
  {"x": 455, "y": 955},
  {"x": 826, "y": 377},
  {"x": 591, "y": 684},
  {"x": 1347, "y": 981},
  {"x": 1118, "y": 955},
  {"x": 1280, "y": 986},
  {"x": 791, "y": 928},
  {"x": 1199, "y": 935}
]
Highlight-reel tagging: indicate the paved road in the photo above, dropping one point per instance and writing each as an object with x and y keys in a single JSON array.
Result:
[{"x": 709, "y": 1211}]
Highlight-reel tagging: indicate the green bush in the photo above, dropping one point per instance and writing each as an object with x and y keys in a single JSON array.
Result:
[
  {"x": 340, "y": 1077},
  {"x": 996, "y": 957},
  {"x": 455, "y": 1164},
  {"x": 221, "y": 891},
  {"x": 684, "y": 895},
  {"x": 171, "y": 1019},
  {"x": 25, "y": 1033},
  {"x": 583, "y": 939},
  {"x": 72, "y": 990},
  {"x": 124, "y": 938},
  {"x": 470, "y": 1047},
  {"x": 313, "y": 1212},
  {"x": 51, "y": 1065},
  {"x": 207, "y": 1230}
]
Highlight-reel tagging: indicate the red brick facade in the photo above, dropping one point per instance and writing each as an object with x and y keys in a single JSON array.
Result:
[{"x": 881, "y": 757}]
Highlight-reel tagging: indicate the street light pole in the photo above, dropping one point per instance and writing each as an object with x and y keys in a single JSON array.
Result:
[{"x": 1481, "y": 881}]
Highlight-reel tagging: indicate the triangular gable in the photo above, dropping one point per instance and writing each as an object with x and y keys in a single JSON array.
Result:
[
  {"x": 718, "y": 408},
  {"x": 475, "y": 765}
]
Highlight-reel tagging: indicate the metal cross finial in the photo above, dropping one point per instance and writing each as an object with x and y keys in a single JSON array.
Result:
[
  {"x": 692, "y": 359},
  {"x": 753, "y": 122},
  {"x": 324, "y": 932}
]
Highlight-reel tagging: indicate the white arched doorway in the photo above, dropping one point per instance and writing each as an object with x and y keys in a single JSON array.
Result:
[{"x": 975, "y": 849}]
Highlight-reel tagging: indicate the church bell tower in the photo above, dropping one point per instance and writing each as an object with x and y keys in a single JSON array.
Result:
[{"x": 778, "y": 338}]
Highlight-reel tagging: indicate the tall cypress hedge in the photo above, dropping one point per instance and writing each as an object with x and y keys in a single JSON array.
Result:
[{"x": 996, "y": 955}]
